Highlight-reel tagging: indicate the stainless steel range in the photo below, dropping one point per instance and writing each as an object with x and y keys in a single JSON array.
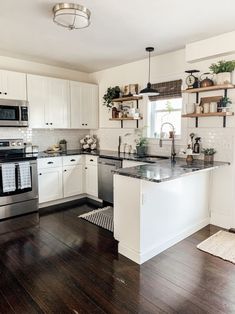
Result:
[{"x": 21, "y": 198}]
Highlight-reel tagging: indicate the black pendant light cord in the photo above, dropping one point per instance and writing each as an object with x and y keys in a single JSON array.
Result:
[{"x": 149, "y": 67}]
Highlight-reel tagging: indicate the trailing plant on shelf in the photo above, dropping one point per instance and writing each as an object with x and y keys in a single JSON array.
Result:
[
  {"x": 222, "y": 66},
  {"x": 224, "y": 102},
  {"x": 111, "y": 93}
]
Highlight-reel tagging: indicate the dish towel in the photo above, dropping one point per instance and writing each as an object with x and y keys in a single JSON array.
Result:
[
  {"x": 8, "y": 177},
  {"x": 24, "y": 175}
]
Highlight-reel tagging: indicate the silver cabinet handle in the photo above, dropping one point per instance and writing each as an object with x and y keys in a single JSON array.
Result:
[
  {"x": 72, "y": 159},
  {"x": 50, "y": 162}
]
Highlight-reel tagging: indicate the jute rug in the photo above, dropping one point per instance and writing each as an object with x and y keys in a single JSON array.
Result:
[
  {"x": 221, "y": 244},
  {"x": 102, "y": 217}
]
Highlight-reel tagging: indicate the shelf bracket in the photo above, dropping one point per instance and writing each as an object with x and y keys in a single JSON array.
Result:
[
  {"x": 197, "y": 97},
  {"x": 196, "y": 122},
  {"x": 122, "y": 124},
  {"x": 224, "y": 121},
  {"x": 225, "y": 92}
]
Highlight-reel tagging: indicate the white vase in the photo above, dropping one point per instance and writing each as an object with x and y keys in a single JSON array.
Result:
[{"x": 223, "y": 78}]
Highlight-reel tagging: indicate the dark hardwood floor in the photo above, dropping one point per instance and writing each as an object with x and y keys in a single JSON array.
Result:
[{"x": 67, "y": 265}]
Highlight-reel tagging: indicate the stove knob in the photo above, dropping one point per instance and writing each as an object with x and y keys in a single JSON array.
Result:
[
  {"x": 13, "y": 143},
  {"x": 18, "y": 143}
]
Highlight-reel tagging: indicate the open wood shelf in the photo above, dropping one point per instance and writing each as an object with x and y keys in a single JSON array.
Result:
[
  {"x": 214, "y": 114},
  {"x": 211, "y": 114},
  {"x": 207, "y": 89},
  {"x": 127, "y": 98},
  {"x": 126, "y": 119}
]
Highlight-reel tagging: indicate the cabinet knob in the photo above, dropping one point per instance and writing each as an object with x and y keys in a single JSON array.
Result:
[
  {"x": 51, "y": 123},
  {"x": 0, "y": 92},
  {"x": 65, "y": 170},
  {"x": 82, "y": 123},
  {"x": 85, "y": 167},
  {"x": 5, "y": 93},
  {"x": 40, "y": 174},
  {"x": 86, "y": 124},
  {"x": 50, "y": 162},
  {"x": 91, "y": 160},
  {"x": 47, "y": 123},
  {"x": 72, "y": 160}
]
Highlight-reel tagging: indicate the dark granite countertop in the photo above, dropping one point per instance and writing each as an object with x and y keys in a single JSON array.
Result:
[
  {"x": 104, "y": 154},
  {"x": 165, "y": 170}
]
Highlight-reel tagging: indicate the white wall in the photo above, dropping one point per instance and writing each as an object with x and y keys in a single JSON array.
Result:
[{"x": 169, "y": 67}]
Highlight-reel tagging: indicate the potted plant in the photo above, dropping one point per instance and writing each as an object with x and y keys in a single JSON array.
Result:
[
  {"x": 223, "y": 104},
  {"x": 63, "y": 145},
  {"x": 141, "y": 143},
  {"x": 223, "y": 70},
  {"x": 111, "y": 93},
  {"x": 209, "y": 154}
]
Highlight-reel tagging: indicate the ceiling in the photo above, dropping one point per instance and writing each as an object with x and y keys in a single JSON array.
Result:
[{"x": 119, "y": 32}]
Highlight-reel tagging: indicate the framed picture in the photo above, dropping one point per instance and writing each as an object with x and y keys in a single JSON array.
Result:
[
  {"x": 126, "y": 90},
  {"x": 133, "y": 89}
]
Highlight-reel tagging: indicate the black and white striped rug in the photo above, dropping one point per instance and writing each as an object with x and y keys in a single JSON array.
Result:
[{"x": 102, "y": 217}]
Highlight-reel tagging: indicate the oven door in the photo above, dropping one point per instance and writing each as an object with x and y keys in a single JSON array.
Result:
[{"x": 20, "y": 195}]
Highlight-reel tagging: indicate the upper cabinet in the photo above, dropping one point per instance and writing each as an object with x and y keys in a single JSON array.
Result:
[
  {"x": 49, "y": 102},
  {"x": 84, "y": 105},
  {"x": 12, "y": 85}
]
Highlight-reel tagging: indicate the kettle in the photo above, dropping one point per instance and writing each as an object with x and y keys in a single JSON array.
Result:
[{"x": 205, "y": 81}]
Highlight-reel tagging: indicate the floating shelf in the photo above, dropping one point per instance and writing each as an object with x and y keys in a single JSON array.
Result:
[
  {"x": 127, "y": 119},
  {"x": 127, "y": 98},
  {"x": 214, "y": 114},
  {"x": 207, "y": 89}
]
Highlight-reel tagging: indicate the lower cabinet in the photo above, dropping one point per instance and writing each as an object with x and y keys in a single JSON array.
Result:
[
  {"x": 91, "y": 177},
  {"x": 73, "y": 180},
  {"x": 50, "y": 184}
]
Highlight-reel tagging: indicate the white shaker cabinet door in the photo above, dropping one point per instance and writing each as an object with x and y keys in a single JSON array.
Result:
[
  {"x": 38, "y": 100},
  {"x": 73, "y": 180},
  {"x": 58, "y": 103},
  {"x": 50, "y": 184},
  {"x": 84, "y": 105},
  {"x": 12, "y": 85},
  {"x": 91, "y": 177}
]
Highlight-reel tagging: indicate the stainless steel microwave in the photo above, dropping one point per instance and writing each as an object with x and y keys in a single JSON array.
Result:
[{"x": 14, "y": 112}]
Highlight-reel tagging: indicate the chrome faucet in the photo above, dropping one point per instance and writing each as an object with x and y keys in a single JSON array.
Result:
[{"x": 173, "y": 154}]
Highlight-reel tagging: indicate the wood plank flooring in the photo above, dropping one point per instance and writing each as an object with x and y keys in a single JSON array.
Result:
[{"x": 67, "y": 265}]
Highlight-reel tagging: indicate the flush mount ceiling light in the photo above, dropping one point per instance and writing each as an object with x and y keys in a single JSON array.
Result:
[
  {"x": 71, "y": 15},
  {"x": 149, "y": 90}
]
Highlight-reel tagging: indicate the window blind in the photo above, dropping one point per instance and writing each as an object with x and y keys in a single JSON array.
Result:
[{"x": 171, "y": 89}]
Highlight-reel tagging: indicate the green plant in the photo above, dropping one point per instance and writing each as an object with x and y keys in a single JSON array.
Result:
[
  {"x": 141, "y": 138},
  {"x": 224, "y": 102},
  {"x": 112, "y": 92},
  {"x": 209, "y": 151},
  {"x": 222, "y": 66},
  {"x": 63, "y": 141}
]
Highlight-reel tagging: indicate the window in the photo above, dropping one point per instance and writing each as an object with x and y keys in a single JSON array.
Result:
[{"x": 165, "y": 110}]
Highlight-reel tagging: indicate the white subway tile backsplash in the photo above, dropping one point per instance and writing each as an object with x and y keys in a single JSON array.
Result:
[{"x": 45, "y": 138}]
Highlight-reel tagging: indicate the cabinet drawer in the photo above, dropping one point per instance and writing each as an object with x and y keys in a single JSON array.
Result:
[
  {"x": 91, "y": 160},
  {"x": 72, "y": 160},
  {"x": 49, "y": 162}
]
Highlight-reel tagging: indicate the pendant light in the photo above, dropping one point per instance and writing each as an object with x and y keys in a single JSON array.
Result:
[
  {"x": 71, "y": 15},
  {"x": 149, "y": 90}
]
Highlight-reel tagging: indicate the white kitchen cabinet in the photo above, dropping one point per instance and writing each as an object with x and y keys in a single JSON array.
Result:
[
  {"x": 73, "y": 180},
  {"x": 84, "y": 105},
  {"x": 50, "y": 184},
  {"x": 49, "y": 102},
  {"x": 91, "y": 179},
  {"x": 12, "y": 85}
]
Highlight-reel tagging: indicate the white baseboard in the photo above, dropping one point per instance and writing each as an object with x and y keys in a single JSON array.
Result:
[
  {"x": 221, "y": 220},
  {"x": 139, "y": 258}
]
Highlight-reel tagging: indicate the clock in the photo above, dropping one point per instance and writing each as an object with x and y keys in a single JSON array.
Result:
[{"x": 191, "y": 80}]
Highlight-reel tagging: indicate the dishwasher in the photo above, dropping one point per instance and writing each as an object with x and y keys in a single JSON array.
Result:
[{"x": 105, "y": 177}]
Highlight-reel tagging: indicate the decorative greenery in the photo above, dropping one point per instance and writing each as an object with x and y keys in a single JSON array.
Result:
[
  {"x": 209, "y": 151},
  {"x": 63, "y": 141},
  {"x": 112, "y": 92},
  {"x": 141, "y": 138},
  {"x": 222, "y": 66},
  {"x": 224, "y": 102}
]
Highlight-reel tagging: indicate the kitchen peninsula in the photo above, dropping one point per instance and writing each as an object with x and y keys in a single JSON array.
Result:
[{"x": 156, "y": 206}]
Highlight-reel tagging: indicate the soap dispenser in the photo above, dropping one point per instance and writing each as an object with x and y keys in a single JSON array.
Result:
[{"x": 196, "y": 147}]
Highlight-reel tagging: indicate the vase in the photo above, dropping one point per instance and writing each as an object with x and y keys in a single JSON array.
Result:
[
  {"x": 209, "y": 159},
  {"x": 63, "y": 147},
  {"x": 141, "y": 150},
  {"x": 223, "y": 78}
]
